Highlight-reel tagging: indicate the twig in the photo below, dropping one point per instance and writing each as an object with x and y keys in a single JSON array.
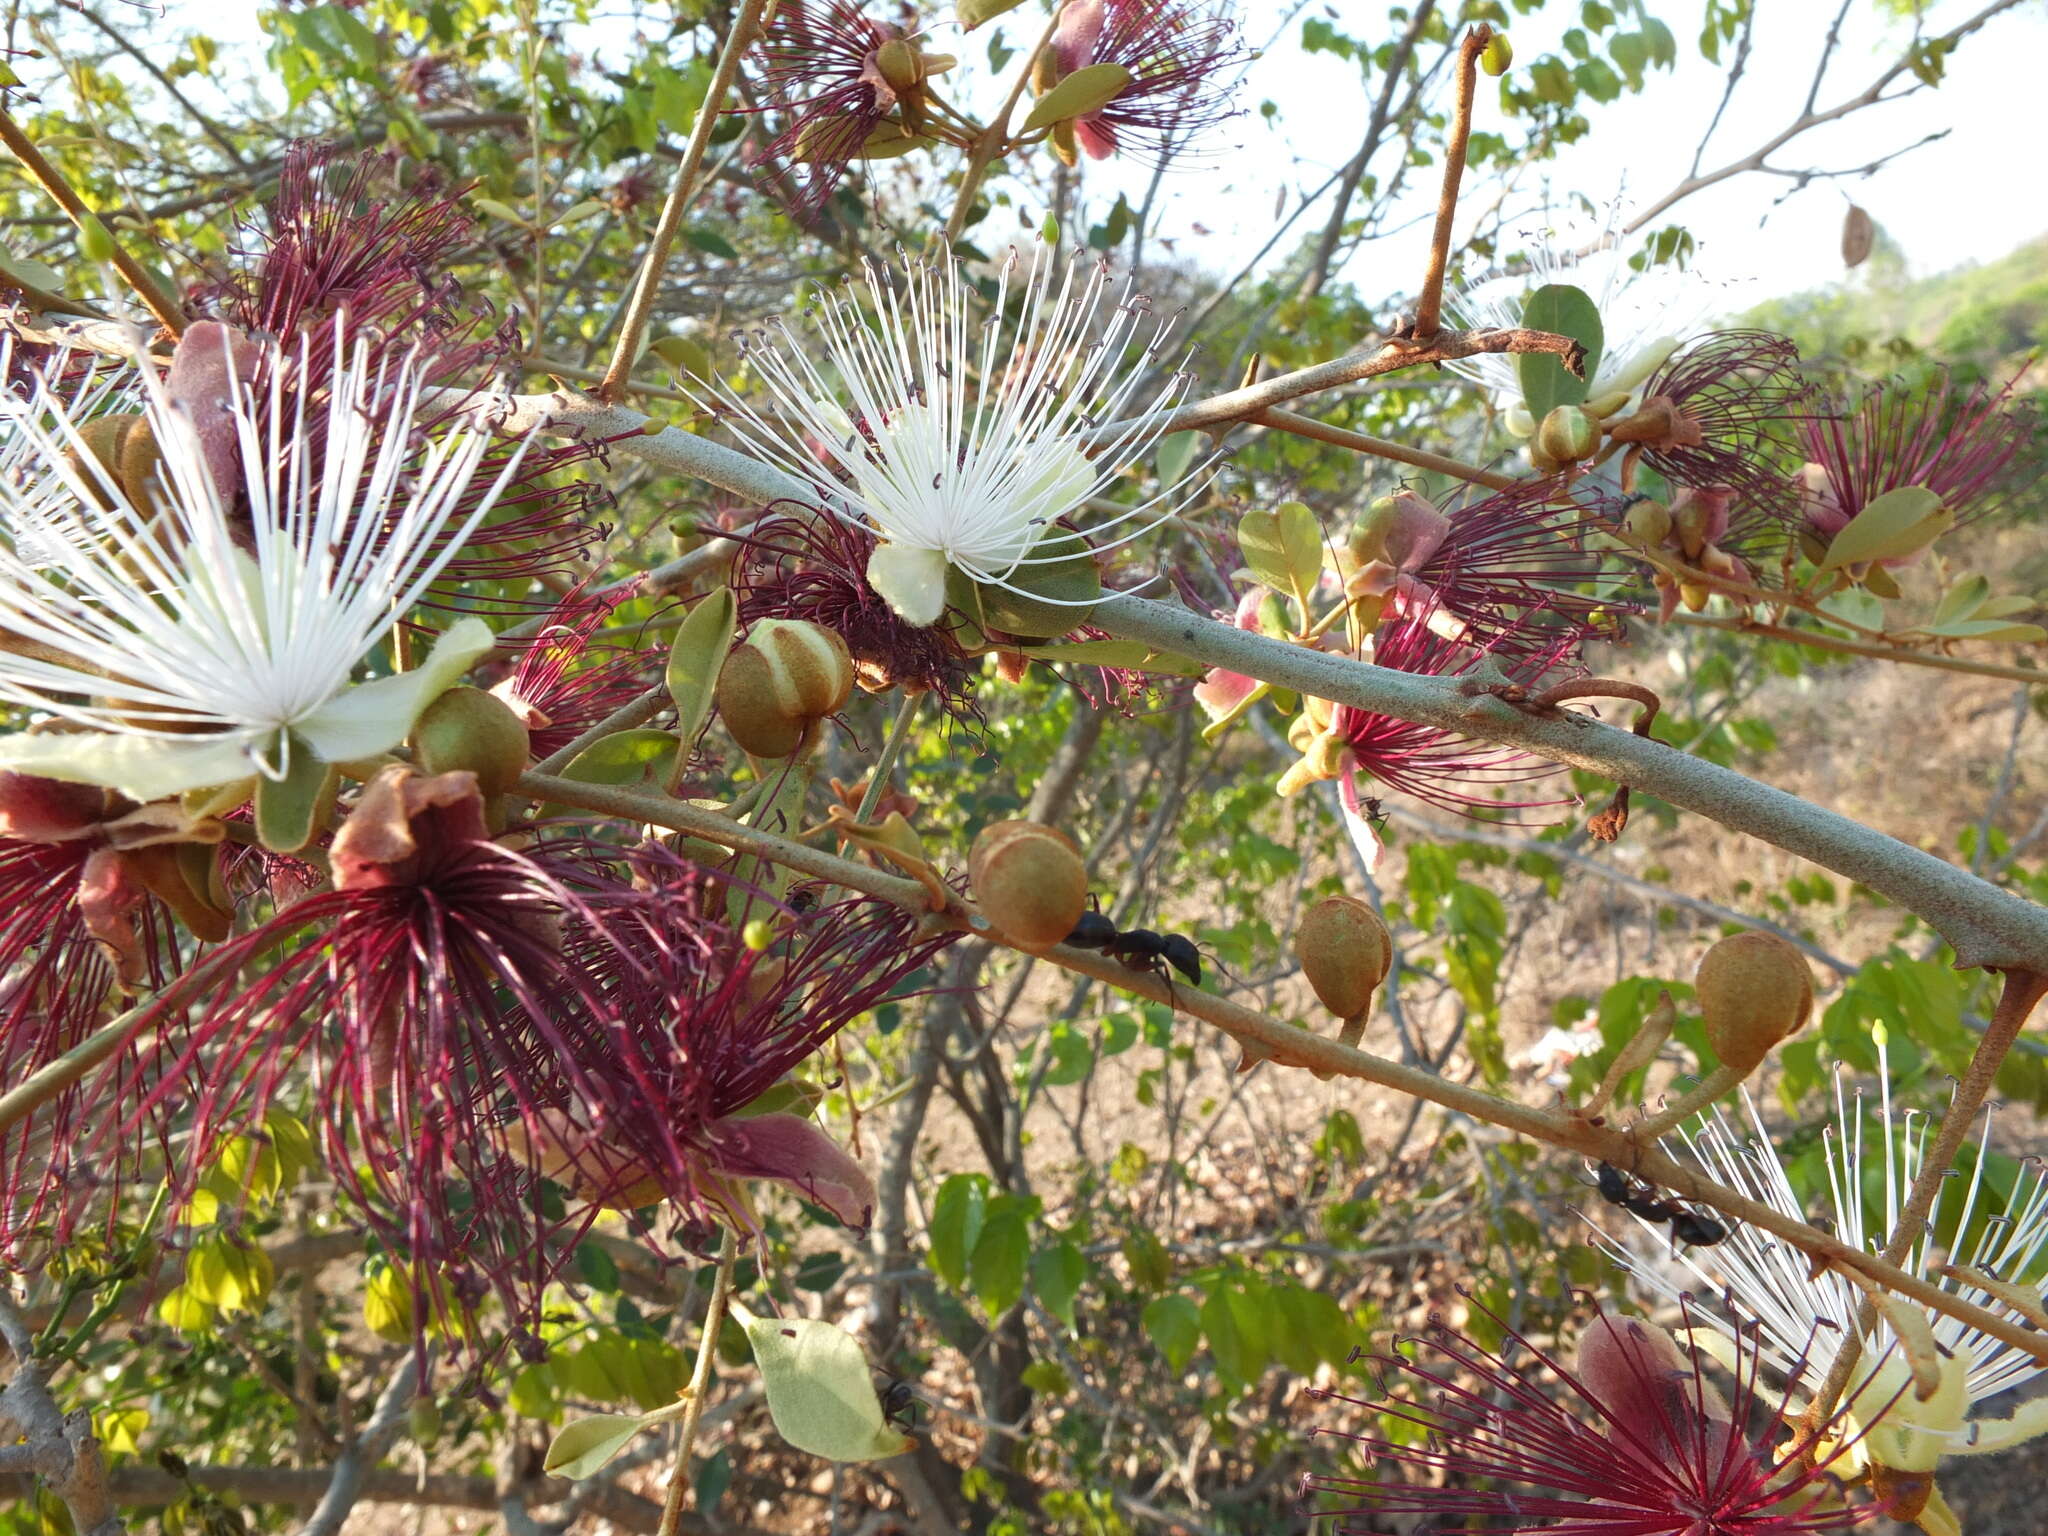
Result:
[
  {"x": 633, "y": 328},
  {"x": 634, "y": 712},
  {"x": 1380, "y": 447},
  {"x": 994, "y": 136},
  {"x": 58, "y": 1447},
  {"x": 52, "y": 181},
  {"x": 700, "y": 1385},
  {"x": 1429, "y": 308},
  {"x": 1900, "y": 654},
  {"x": 365, "y": 1450}
]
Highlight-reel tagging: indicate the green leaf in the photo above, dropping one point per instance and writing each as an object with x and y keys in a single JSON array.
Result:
[
  {"x": 1564, "y": 311},
  {"x": 1175, "y": 455},
  {"x": 532, "y": 1395},
  {"x": 583, "y": 1446},
  {"x": 973, "y": 13},
  {"x": 697, "y": 656},
  {"x": 1133, "y": 655},
  {"x": 1056, "y": 595},
  {"x": 599, "y": 1270},
  {"x": 498, "y": 210},
  {"x": 1088, "y": 89},
  {"x": 1961, "y": 601},
  {"x": 1174, "y": 1325},
  {"x": 1056, "y": 1277},
  {"x": 711, "y": 242},
  {"x": 996, "y": 1267},
  {"x": 1237, "y": 1357},
  {"x": 1284, "y": 549},
  {"x": 957, "y": 1214},
  {"x": 1151, "y": 1267},
  {"x": 1898, "y": 523},
  {"x": 1073, "y": 1055},
  {"x": 288, "y": 809},
  {"x": 637, "y": 758},
  {"x": 821, "y": 1394}
]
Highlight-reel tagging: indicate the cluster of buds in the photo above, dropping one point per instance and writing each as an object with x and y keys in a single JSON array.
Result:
[
  {"x": 781, "y": 683},
  {"x": 1691, "y": 528}
]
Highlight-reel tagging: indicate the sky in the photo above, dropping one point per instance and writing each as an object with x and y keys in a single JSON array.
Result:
[{"x": 1972, "y": 196}]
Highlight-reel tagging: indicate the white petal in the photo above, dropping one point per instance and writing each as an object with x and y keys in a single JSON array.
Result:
[
  {"x": 376, "y": 716},
  {"x": 911, "y": 581},
  {"x": 143, "y": 768}
]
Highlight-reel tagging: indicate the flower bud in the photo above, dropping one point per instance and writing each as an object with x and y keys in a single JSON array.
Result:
[
  {"x": 1345, "y": 952},
  {"x": 778, "y": 683},
  {"x": 1029, "y": 881},
  {"x": 899, "y": 63},
  {"x": 467, "y": 728},
  {"x": 1650, "y": 522},
  {"x": 1754, "y": 990},
  {"x": 1567, "y": 435},
  {"x": 1600, "y": 407},
  {"x": 1497, "y": 56}
]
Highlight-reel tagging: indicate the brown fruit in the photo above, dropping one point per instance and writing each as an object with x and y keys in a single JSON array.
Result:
[
  {"x": 1754, "y": 990},
  {"x": 1346, "y": 952},
  {"x": 1029, "y": 881}
]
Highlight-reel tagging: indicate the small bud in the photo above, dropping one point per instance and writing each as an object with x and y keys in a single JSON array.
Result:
[
  {"x": 1754, "y": 990},
  {"x": 1029, "y": 881},
  {"x": 1600, "y": 407},
  {"x": 1497, "y": 56},
  {"x": 467, "y": 728},
  {"x": 1345, "y": 952},
  {"x": 1519, "y": 422},
  {"x": 1567, "y": 435},
  {"x": 778, "y": 683},
  {"x": 899, "y": 63},
  {"x": 1649, "y": 522},
  {"x": 423, "y": 1422},
  {"x": 758, "y": 934}
]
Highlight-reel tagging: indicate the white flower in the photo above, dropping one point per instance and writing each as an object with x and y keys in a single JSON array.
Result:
[
  {"x": 1806, "y": 1319},
  {"x": 199, "y": 643},
  {"x": 951, "y": 447},
  {"x": 1644, "y": 315}
]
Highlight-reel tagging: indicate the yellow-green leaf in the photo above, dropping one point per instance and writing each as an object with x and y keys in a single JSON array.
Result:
[
  {"x": 1088, "y": 89},
  {"x": 1284, "y": 549},
  {"x": 1898, "y": 523},
  {"x": 696, "y": 658},
  {"x": 973, "y": 13},
  {"x": 583, "y": 1446},
  {"x": 821, "y": 1394}
]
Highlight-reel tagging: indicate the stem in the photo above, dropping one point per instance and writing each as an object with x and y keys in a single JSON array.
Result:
[
  {"x": 885, "y": 766},
  {"x": 51, "y": 180},
  {"x": 1901, "y": 654},
  {"x": 1400, "y": 453},
  {"x": 700, "y": 1384},
  {"x": 995, "y": 136},
  {"x": 640, "y": 307},
  {"x": 44, "y": 1084},
  {"x": 633, "y": 713},
  {"x": 1264, "y": 1035},
  {"x": 1721, "y": 1081},
  {"x": 2022, "y": 990},
  {"x": 1430, "y": 307}
]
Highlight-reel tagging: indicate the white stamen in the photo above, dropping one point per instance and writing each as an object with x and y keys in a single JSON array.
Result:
[{"x": 961, "y": 448}]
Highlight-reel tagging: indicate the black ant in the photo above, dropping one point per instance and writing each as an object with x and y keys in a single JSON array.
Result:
[
  {"x": 1638, "y": 1198},
  {"x": 1139, "y": 949},
  {"x": 1373, "y": 812},
  {"x": 899, "y": 1405}
]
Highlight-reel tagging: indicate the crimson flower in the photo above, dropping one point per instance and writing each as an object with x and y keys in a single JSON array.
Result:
[
  {"x": 839, "y": 76},
  {"x": 707, "y": 1026},
  {"x": 440, "y": 999},
  {"x": 77, "y": 922},
  {"x": 1959, "y": 446},
  {"x": 1715, "y": 414},
  {"x": 563, "y": 684},
  {"x": 1642, "y": 1443},
  {"x": 1506, "y": 573},
  {"x": 349, "y": 250},
  {"x": 1177, "y": 52}
]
